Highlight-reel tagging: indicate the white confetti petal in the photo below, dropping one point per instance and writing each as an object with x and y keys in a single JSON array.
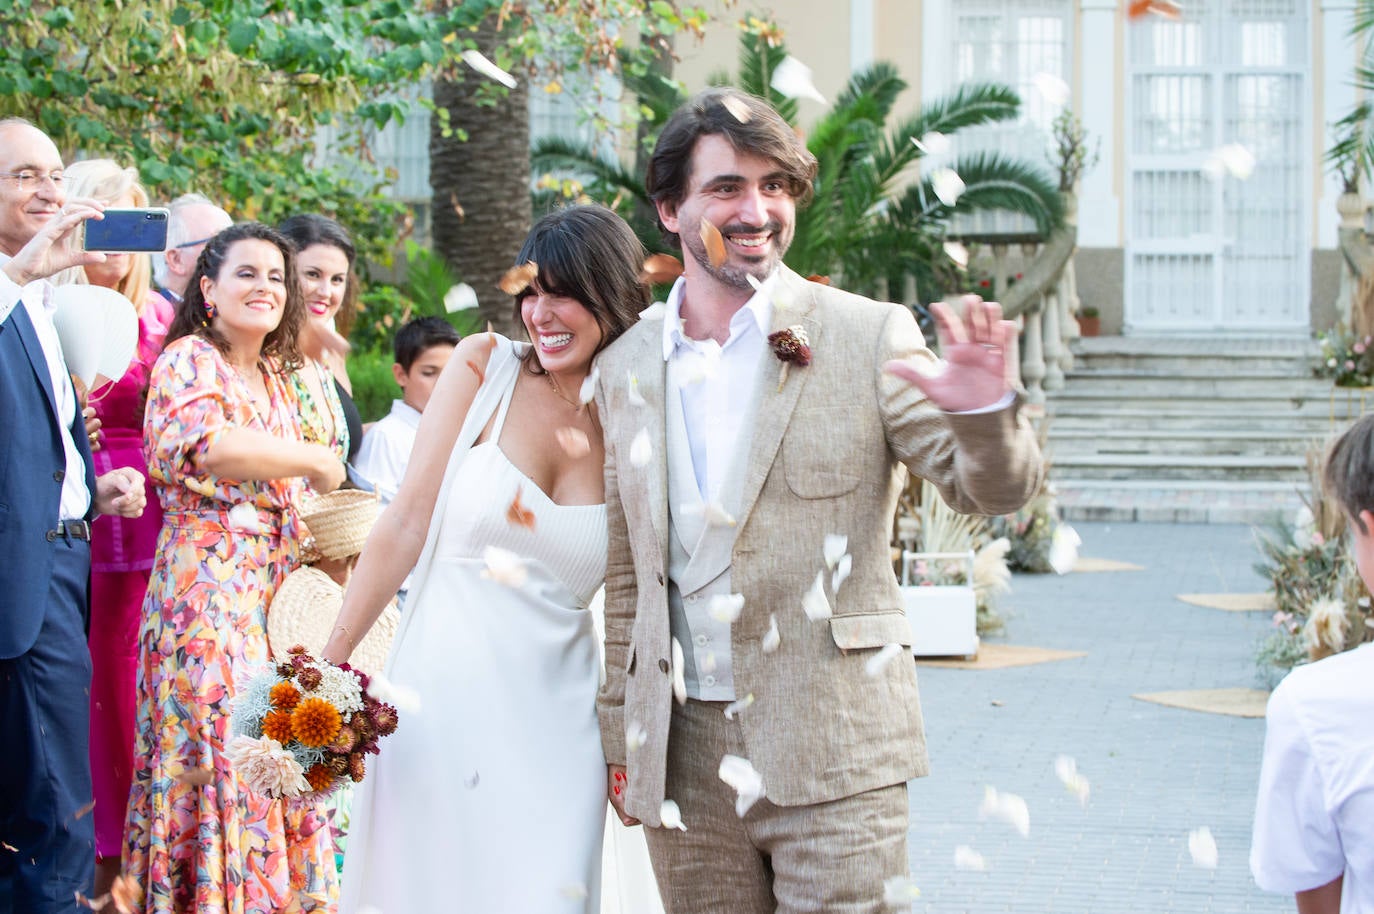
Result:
[
  {"x": 243, "y": 516},
  {"x": 957, "y": 252},
  {"x": 771, "y": 638},
  {"x": 1203, "y": 848},
  {"x": 747, "y": 783},
  {"x": 670, "y": 815},
  {"x": 1066, "y": 769},
  {"x": 1064, "y": 549},
  {"x": 403, "y": 698},
  {"x": 1052, "y": 89},
  {"x": 641, "y": 450},
  {"x": 699, "y": 364},
  {"x": 657, "y": 309},
  {"x": 793, "y": 79},
  {"x": 735, "y": 707},
  {"x": 816, "y": 605},
  {"x": 1233, "y": 159},
  {"x": 481, "y": 64},
  {"x": 933, "y": 143},
  {"x": 879, "y": 661},
  {"x": 900, "y": 890},
  {"x": 679, "y": 677},
  {"x": 708, "y": 662},
  {"x": 969, "y": 860},
  {"x": 1007, "y": 807},
  {"x": 574, "y": 891},
  {"x": 842, "y": 569},
  {"x": 588, "y": 391},
  {"x": 461, "y": 297},
  {"x": 636, "y": 399},
  {"x": 948, "y": 186},
  {"x": 713, "y": 513},
  {"x": 726, "y": 607},
  {"x": 635, "y": 736},
  {"x": 504, "y": 567},
  {"x": 835, "y": 545}
]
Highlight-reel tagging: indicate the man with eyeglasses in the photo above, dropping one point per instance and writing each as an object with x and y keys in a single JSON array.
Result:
[
  {"x": 48, "y": 495},
  {"x": 194, "y": 220}
]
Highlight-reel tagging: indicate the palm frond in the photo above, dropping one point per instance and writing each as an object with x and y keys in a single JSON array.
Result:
[
  {"x": 991, "y": 182},
  {"x": 558, "y": 154},
  {"x": 757, "y": 61},
  {"x": 967, "y": 106}
]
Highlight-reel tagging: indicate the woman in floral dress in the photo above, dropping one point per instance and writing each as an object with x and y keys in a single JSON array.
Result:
[{"x": 224, "y": 451}]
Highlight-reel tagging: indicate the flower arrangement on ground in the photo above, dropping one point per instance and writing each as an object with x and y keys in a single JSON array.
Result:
[
  {"x": 304, "y": 727},
  {"x": 1347, "y": 358}
]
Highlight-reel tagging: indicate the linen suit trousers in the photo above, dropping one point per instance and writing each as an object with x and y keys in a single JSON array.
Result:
[{"x": 828, "y": 857}]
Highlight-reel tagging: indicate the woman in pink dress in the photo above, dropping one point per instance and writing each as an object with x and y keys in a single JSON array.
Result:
[{"x": 121, "y": 548}]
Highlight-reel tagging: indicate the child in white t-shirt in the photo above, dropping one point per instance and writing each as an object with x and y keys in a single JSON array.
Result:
[
  {"x": 1314, "y": 821},
  {"x": 423, "y": 347}
]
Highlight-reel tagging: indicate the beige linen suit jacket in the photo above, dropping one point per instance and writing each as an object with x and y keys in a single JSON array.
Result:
[{"x": 826, "y": 456}]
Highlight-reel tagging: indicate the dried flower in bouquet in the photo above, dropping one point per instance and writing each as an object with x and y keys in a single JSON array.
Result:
[{"x": 303, "y": 726}]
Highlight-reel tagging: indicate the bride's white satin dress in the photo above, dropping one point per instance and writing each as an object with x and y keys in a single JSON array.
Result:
[{"x": 491, "y": 797}]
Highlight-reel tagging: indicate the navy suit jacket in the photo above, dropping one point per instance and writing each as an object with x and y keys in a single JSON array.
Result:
[{"x": 32, "y": 466}]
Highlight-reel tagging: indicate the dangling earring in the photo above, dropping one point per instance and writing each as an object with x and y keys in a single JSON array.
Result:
[{"x": 211, "y": 311}]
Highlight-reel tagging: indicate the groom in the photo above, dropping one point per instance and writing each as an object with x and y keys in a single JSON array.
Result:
[{"x": 731, "y": 459}]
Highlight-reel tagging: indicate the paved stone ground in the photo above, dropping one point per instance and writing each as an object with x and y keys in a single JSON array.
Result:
[{"x": 1155, "y": 772}]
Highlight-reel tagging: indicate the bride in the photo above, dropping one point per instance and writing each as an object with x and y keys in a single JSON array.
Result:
[{"x": 491, "y": 796}]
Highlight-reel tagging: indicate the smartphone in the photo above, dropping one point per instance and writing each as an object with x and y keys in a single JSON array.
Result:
[{"x": 128, "y": 230}]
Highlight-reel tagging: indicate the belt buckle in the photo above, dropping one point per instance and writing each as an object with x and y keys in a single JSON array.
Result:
[{"x": 71, "y": 530}]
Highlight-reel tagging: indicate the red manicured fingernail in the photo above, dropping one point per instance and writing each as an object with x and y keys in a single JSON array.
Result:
[
  {"x": 617, "y": 791},
  {"x": 620, "y": 775}
]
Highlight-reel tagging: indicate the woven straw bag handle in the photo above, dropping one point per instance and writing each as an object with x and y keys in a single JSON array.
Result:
[{"x": 500, "y": 378}]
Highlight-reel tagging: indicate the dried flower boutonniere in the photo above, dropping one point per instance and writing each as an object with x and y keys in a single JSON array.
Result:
[{"x": 790, "y": 345}]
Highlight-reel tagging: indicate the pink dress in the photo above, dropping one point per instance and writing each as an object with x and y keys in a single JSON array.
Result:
[
  {"x": 197, "y": 839},
  {"x": 121, "y": 557}
]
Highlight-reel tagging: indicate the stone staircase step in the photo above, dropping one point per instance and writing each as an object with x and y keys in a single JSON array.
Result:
[
  {"x": 1253, "y": 442},
  {"x": 1268, "y": 468},
  {"x": 1122, "y": 418},
  {"x": 1155, "y": 501}
]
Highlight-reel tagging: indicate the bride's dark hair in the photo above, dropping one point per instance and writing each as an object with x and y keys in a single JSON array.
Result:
[{"x": 589, "y": 254}]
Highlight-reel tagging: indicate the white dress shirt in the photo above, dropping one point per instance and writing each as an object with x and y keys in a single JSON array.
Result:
[
  {"x": 386, "y": 448},
  {"x": 37, "y": 300}
]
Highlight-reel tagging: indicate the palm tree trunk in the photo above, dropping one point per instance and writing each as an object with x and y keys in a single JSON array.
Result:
[{"x": 481, "y": 202}]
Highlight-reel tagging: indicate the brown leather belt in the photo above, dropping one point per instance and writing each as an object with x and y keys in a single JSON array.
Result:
[{"x": 72, "y": 530}]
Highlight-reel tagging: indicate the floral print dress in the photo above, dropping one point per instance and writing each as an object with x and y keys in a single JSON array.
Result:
[{"x": 197, "y": 839}]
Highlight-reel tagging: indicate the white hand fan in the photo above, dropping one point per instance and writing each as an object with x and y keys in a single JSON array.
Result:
[{"x": 98, "y": 329}]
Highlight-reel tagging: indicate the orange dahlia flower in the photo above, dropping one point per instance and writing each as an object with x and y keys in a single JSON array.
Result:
[
  {"x": 315, "y": 722},
  {"x": 277, "y": 725},
  {"x": 284, "y": 695}
]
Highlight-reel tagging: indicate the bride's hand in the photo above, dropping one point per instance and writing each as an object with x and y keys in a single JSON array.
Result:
[{"x": 616, "y": 785}]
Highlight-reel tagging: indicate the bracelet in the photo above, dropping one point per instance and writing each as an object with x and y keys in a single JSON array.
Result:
[{"x": 348, "y": 636}]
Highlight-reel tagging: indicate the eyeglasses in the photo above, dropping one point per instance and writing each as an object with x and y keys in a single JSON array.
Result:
[
  {"x": 30, "y": 179},
  {"x": 191, "y": 244}
]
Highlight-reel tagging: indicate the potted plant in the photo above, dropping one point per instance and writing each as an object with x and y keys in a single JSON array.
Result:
[{"x": 1089, "y": 321}]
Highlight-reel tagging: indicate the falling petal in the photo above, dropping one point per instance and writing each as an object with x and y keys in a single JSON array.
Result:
[
  {"x": 84, "y": 811},
  {"x": 661, "y": 268},
  {"x": 504, "y": 567},
  {"x": 834, "y": 548},
  {"x": 1066, "y": 769},
  {"x": 708, "y": 662},
  {"x": 879, "y": 661},
  {"x": 403, "y": 698},
  {"x": 1052, "y": 89},
  {"x": 457, "y": 207},
  {"x": 713, "y": 513},
  {"x": 933, "y": 143},
  {"x": 699, "y": 364},
  {"x": 641, "y": 450},
  {"x": 771, "y": 638},
  {"x": 1166, "y": 9},
  {"x": 655, "y": 310},
  {"x": 1203, "y": 848},
  {"x": 947, "y": 184},
  {"x": 679, "y": 680},
  {"x": 573, "y": 441},
  {"x": 969, "y": 860},
  {"x": 1064, "y": 549},
  {"x": 243, "y": 516},
  {"x": 635, "y": 737},
  {"x": 737, "y": 108},
  {"x": 816, "y": 605},
  {"x": 471, "y": 782},
  {"x": 588, "y": 389},
  {"x": 1008, "y": 808},
  {"x": 842, "y": 569},
  {"x": 957, "y": 252},
  {"x": 461, "y": 297},
  {"x": 792, "y": 78},
  {"x": 574, "y": 891},
  {"x": 747, "y": 783},
  {"x": 670, "y": 815},
  {"x": 517, "y": 515},
  {"x": 726, "y": 607},
  {"x": 900, "y": 890},
  {"x": 477, "y": 370},
  {"x": 735, "y": 707},
  {"x": 715, "y": 244},
  {"x": 518, "y": 279},
  {"x": 481, "y": 64},
  {"x": 636, "y": 398},
  {"x": 1233, "y": 159}
]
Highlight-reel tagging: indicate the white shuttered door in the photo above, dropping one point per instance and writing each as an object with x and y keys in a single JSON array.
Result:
[{"x": 1228, "y": 253}]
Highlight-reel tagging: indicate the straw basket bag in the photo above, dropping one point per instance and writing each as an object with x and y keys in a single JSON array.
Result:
[
  {"x": 340, "y": 521},
  {"x": 304, "y": 610}
]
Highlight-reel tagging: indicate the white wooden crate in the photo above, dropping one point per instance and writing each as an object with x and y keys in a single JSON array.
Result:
[{"x": 943, "y": 618}]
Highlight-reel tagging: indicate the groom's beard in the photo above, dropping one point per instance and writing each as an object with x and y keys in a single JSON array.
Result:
[{"x": 735, "y": 274}]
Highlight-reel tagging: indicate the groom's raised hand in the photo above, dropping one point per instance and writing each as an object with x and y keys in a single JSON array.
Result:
[
  {"x": 616, "y": 785},
  {"x": 980, "y": 361}
]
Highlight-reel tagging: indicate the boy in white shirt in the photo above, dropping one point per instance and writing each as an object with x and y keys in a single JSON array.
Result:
[
  {"x": 1314, "y": 821},
  {"x": 423, "y": 347}
]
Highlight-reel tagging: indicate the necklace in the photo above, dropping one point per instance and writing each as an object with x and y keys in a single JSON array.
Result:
[{"x": 559, "y": 392}]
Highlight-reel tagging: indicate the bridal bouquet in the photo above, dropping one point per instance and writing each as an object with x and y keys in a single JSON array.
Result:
[{"x": 302, "y": 726}]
